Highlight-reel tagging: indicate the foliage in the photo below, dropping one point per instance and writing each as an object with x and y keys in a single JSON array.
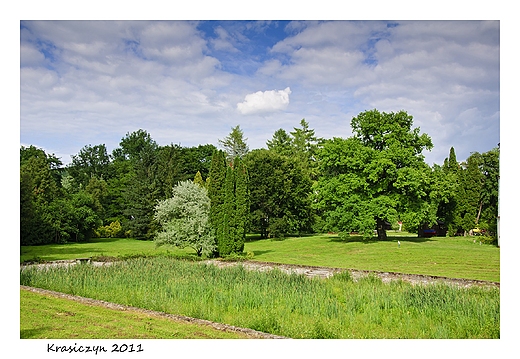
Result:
[
  {"x": 49, "y": 214},
  {"x": 234, "y": 144},
  {"x": 184, "y": 219},
  {"x": 281, "y": 143},
  {"x": 376, "y": 176},
  {"x": 90, "y": 162},
  {"x": 113, "y": 230},
  {"x": 198, "y": 180},
  {"x": 216, "y": 193},
  {"x": 279, "y": 194},
  {"x": 228, "y": 191}
]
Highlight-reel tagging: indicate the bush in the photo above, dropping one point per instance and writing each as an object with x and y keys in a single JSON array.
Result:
[{"x": 113, "y": 230}]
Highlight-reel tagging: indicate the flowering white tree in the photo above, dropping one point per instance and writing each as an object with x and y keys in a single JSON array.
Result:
[{"x": 185, "y": 219}]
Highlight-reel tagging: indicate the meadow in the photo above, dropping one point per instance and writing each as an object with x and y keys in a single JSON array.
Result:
[{"x": 278, "y": 303}]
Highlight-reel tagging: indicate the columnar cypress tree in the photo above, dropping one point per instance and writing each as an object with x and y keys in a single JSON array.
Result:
[
  {"x": 198, "y": 180},
  {"x": 242, "y": 204},
  {"x": 229, "y": 195},
  {"x": 217, "y": 176},
  {"x": 226, "y": 243}
]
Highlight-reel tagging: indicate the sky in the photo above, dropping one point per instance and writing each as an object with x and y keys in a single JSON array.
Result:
[{"x": 190, "y": 82}]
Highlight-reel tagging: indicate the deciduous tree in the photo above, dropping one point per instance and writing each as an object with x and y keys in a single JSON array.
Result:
[
  {"x": 184, "y": 219},
  {"x": 376, "y": 175}
]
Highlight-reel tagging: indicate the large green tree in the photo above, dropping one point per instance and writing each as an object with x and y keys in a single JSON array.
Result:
[
  {"x": 279, "y": 194},
  {"x": 216, "y": 193},
  {"x": 281, "y": 143},
  {"x": 90, "y": 162},
  {"x": 376, "y": 176},
  {"x": 138, "y": 155}
]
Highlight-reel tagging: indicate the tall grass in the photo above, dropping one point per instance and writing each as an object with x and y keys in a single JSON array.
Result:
[{"x": 284, "y": 304}]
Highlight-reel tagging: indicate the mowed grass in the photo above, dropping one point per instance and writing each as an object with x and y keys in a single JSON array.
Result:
[
  {"x": 275, "y": 302},
  {"x": 99, "y": 247},
  {"x": 454, "y": 257},
  {"x": 47, "y": 317}
]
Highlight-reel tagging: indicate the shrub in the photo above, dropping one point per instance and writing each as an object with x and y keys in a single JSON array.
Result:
[{"x": 113, "y": 230}]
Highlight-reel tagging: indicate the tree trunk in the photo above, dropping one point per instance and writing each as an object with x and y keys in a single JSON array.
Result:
[
  {"x": 479, "y": 212},
  {"x": 381, "y": 231}
]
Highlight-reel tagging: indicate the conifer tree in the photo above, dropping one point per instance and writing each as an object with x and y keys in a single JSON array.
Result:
[
  {"x": 229, "y": 195},
  {"x": 217, "y": 176},
  {"x": 235, "y": 145},
  {"x": 226, "y": 242},
  {"x": 198, "y": 180},
  {"x": 241, "y": 205}
]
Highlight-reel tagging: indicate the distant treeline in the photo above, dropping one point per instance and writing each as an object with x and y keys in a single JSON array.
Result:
[{"x": 297, "y": 184}]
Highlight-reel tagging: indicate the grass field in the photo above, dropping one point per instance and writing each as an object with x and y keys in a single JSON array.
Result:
[
  {"x": 98, "y": 247},
  {"x": 455, "y": 257},
  {"x": 288, "y": 305},
  {"x": 47, "y": 317}
]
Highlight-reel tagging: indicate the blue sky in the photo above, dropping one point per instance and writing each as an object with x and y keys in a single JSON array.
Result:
[{"x": 190, "y": 82}]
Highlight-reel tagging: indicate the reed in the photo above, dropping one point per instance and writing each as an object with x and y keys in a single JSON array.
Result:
[{"x": 284, "y": 304}]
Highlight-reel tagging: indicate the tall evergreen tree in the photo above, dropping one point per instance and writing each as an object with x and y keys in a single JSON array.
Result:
[
  {"x": 468, "y": 194},
  {"x": 234, "y": 144},
  {"x": 241, "y": 205},
  {"x": 226, "y": 241},
  {"x": 305, "y": 147},
  {"x": 229, "y": 195},
  {"x": 217, "y": 176},
  {"x": 281, "y": 143}
]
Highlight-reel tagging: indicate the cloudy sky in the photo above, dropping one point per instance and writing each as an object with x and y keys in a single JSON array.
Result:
[{"x": 190, "y": 82}]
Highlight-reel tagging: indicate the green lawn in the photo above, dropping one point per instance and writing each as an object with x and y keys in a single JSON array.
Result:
[
  {"x": 455, "y": 257},
  {"x": 112, "y": 247},
  {"x": 47, "y": 317}
]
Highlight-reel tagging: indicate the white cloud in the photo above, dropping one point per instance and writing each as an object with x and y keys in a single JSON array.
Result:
[{"x": 264, "y": 102}]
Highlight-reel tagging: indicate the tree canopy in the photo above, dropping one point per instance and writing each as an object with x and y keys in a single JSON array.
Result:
[{"x": 376, "y": 176}]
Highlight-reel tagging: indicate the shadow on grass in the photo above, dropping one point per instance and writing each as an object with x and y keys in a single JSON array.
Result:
[
  {"x": 105, "y": 240},
  {"x": 32, "y": 333},
  {"x": 359, "y": 239},
  {"x": 259, "y": 253}
]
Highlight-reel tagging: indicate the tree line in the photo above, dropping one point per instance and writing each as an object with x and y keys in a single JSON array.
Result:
[{"x": 298, "y": 184}]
